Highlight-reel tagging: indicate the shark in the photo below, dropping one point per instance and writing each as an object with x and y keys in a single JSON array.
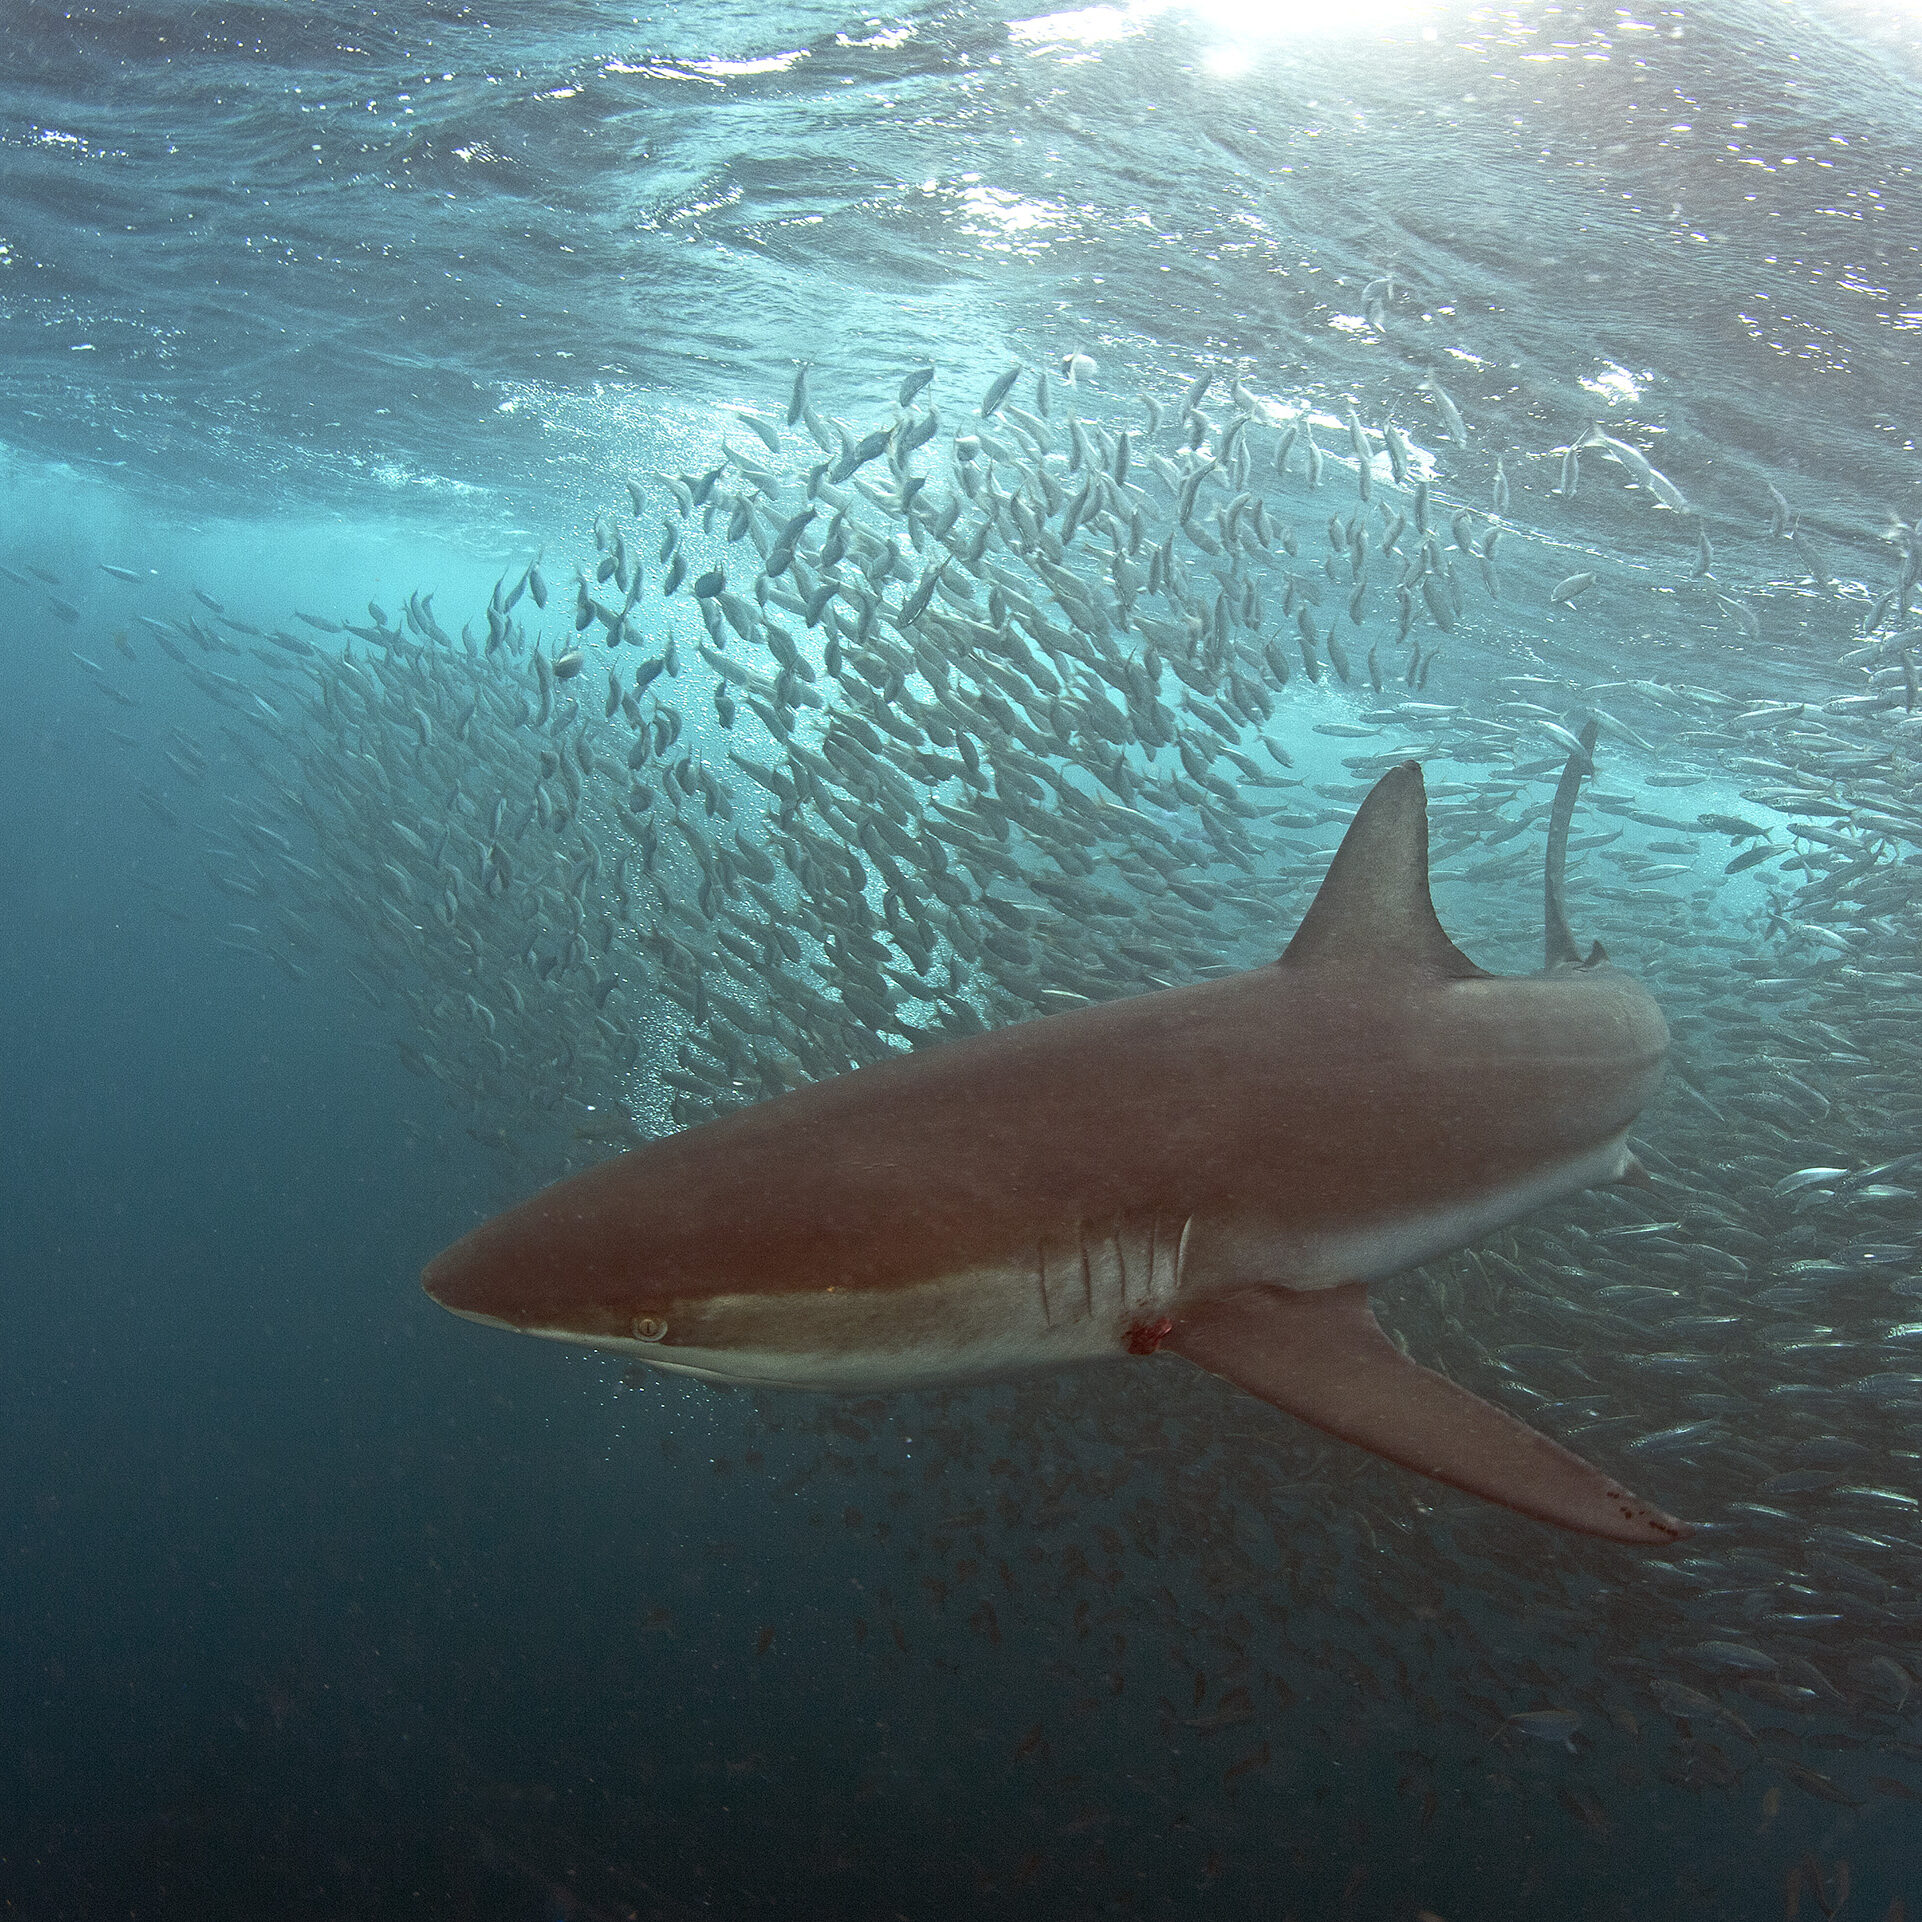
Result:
[{"x": 1217, "y": 1171}]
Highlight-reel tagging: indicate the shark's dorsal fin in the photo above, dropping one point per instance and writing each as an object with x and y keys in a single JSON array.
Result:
[{"x": 1373, "y": 912}]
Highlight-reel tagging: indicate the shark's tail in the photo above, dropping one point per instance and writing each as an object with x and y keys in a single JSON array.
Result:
[{"x": 1559, "y": 942}]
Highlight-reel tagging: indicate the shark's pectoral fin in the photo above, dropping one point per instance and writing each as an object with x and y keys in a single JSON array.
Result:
[{"x": 1320, "y": 1354}]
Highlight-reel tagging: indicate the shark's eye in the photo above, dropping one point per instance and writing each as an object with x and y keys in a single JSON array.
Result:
[{"x": 648, "y": 1327}]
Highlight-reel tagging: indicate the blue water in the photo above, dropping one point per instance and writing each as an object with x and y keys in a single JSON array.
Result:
[{"x": 315, "y": 1603}]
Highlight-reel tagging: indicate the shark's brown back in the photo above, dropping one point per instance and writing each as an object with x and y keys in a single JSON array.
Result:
[{"x": 1372, "y": 1069}]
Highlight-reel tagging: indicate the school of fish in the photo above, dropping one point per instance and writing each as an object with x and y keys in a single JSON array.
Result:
[{"x": 972, "y": 706}]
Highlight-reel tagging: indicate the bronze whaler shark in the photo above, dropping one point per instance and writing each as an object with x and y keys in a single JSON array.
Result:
[{"x": 1218, "y": 1171}]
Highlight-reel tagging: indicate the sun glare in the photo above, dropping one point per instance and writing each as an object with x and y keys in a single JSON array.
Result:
[{"x": 1247, "y": 23}]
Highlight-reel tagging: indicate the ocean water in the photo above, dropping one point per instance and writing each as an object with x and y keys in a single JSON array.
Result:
[{"x": 316, "y": 1602}]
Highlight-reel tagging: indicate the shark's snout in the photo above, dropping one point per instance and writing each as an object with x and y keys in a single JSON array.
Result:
[
  {"x": 462, "y": 1284},
  {"x": 498, "y": 1273},
  {"x": 556, "y": 1265}
]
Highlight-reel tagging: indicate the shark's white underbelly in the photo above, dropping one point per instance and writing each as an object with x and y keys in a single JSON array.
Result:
[
  {"x": 1076, "y": 1298},
  {"x": 1062, "y": 1300}
]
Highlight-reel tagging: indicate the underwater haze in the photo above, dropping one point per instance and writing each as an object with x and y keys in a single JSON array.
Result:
[{"x": 568, "y": 571}]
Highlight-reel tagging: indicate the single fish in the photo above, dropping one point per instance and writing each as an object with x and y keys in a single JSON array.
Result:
[
  {"x": 1557, "y": 1725},
  {"x": 998, "y": 391},
  {"x": 1218, "y": 1170},
  {"x": 1445, "y": 406}
]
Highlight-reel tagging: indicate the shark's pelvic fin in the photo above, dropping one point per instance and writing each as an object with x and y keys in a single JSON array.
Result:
[
  {"x": 1373, "y": 912},
  {"x": 1320, "y": 1354}
]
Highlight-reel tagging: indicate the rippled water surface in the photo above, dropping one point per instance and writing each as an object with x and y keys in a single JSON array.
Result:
[{"x": 391, "y": 829}]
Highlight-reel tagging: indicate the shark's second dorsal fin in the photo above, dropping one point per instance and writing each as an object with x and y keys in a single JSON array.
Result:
[{"x": 1374, "y": 911}]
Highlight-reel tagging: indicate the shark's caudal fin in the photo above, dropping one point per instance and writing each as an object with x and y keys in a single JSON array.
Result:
[
  {"x": 1320, "y": 1354},
  {"x": 1373, "y": 912},
  {"x": 1559, "y": 941}
]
